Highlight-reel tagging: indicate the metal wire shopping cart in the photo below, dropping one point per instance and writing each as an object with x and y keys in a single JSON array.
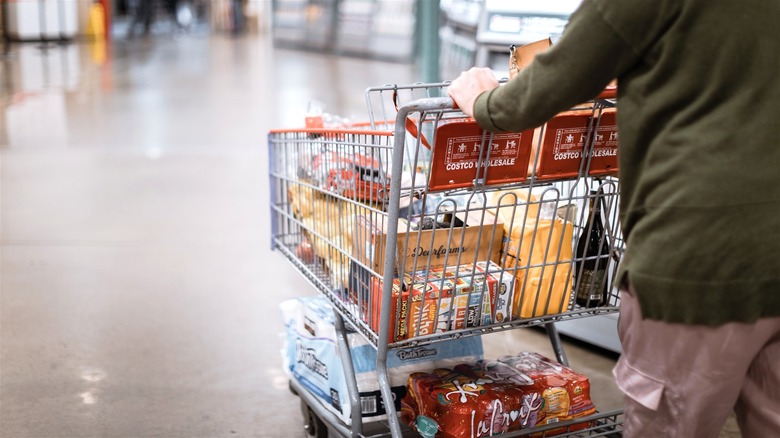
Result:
[{"x": 420, "y": 228}]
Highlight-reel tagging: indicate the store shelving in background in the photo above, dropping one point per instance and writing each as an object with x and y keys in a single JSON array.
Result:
[
  {"x": 381, "y": 29},
  {"x": 458, "y": 36}
]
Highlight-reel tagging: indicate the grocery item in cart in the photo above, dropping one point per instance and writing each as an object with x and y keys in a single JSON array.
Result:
[
  {"x": 327, "y": 227},
  {"x": 538, "y": 249},
  {"x": 442, "y": 299},
  {"x": 349, "y": 174},
  {"x": 478, "y": 237},
  {"x": 464, "y": 156},
  {"x": 311, "y": 356},
  {"x": 571, "y": 141},
  {"x": 550, "y": 374},
  {"x": 592, "y": 281},
  {"x": 488, "y": 398},
  {"x": 567, "y": 135}
]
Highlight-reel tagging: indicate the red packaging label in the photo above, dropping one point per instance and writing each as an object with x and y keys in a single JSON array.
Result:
[
  {"x": 605, "y": 145},
  {"x": 462, "y": 153},
  {"x": 565, "y": 139}
]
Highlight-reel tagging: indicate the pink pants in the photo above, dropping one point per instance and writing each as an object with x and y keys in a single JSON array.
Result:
[{"x": 683, "y": 380}]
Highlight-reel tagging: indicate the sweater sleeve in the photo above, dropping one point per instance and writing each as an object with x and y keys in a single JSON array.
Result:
[{"x": 587, "y": 57}]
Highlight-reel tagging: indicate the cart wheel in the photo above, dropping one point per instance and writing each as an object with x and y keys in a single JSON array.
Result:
[{"x": 313, "y": 425}]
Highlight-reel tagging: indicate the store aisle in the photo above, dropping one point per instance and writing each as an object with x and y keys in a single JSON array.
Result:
[{"x": 139, "y": 293}]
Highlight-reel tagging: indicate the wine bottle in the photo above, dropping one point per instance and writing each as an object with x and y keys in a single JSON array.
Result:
[{"x": 592, "y": 255}]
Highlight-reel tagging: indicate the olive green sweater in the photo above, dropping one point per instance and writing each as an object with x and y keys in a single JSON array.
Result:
[{"x": 699, "y": 129}]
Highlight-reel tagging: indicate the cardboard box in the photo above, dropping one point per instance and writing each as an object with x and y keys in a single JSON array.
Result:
[
  {"x": 567, "y": 134},
  {"x": 479, "y": 239},
  {"x": 563, "y": 153},
  {"x": 482, "y": 239},
  {"x": 463, "y": 153}
]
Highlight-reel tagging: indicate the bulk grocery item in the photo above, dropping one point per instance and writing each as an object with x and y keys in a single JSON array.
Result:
[
  {"x": 488, "y": 398},
  {"x": 311, "y": 356}
]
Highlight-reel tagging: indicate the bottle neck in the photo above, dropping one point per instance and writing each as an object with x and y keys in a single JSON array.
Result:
[{"x": 595, "y": 206}]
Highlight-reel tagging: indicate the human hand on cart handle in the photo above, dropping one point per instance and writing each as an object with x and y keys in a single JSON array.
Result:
[{"x": 469, "y": 85}]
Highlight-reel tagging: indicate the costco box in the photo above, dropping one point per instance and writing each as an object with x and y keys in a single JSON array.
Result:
[
  {"x": 463, "y": 153},
  {"x": 571, "y": 142}
]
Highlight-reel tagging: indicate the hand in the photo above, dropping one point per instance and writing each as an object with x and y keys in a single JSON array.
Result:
[{"x": 469, "y": 85}]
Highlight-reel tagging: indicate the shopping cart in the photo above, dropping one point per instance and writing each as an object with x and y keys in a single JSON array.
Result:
[{"x": 420, "y": 228}]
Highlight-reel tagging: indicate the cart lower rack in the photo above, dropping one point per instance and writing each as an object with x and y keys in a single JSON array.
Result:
[{"x": 420, "y": 230}]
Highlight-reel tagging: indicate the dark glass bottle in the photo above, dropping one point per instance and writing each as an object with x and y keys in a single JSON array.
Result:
[{"x": 592, "y": 259}]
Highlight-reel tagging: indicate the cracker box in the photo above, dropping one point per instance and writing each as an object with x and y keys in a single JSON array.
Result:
[
  {"x": 501, "y": 286},
  {"x": 311, "y": 356},
  {"x": 419, "y": 306},
  {"x": 443, "y": 299}
]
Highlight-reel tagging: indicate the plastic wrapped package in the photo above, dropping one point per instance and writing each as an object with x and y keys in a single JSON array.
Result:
[
  {"x": 311, "y": 355},
  {"x": 488, "y": 398}
]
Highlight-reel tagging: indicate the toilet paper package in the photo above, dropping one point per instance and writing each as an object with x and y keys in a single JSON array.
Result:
[{"x": 311, "y": 356}]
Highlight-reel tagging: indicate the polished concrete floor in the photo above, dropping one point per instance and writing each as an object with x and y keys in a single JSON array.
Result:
[{"x": 139, "y": 292}]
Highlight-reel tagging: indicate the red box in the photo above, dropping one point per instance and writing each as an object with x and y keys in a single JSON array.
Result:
[
  {"x": 423, "y": 301},
  {"x": 458, "y": 156},
  {"x": 564, "y": 141}
]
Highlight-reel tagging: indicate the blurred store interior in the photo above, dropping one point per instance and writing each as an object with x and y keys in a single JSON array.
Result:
[{"x": 139, "y": 296}]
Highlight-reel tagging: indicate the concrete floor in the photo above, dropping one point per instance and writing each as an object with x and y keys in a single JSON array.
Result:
[{"x": 139, "y": 293}]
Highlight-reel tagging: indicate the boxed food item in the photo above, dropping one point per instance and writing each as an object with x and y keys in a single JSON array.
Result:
[
  {"x": 489, "y": 398},
  {"x": 312, "y": 357},
  {"x": 442, "y": 299},
  {"x": 479, "y": 238},
  {"x": 464, "y": 153},
  {"x": 563, "y": 152}
]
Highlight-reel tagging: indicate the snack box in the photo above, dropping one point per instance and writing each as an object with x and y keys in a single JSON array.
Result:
[
  {"x": 312, "y": 357},
  {"x": 444, "y": 299},
  {"x": 480, "y": 238}
]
